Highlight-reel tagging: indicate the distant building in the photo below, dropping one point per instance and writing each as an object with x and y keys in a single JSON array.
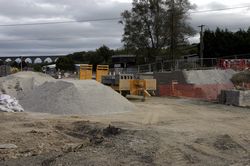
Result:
[
  {"x": 123, "y": 61},
  {"x": 50, "y": 69},
  {"x": 123, "y": 64}
]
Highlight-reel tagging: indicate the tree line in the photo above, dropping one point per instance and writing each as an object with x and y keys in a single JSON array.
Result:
[
  {"x": 224, "y": 43},
  {"x": 101, "y": 55}
]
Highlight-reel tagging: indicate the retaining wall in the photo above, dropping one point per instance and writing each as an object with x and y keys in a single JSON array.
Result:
[
  {"x": 206, "y": 92},
  {"x": 198, "y": 84}
]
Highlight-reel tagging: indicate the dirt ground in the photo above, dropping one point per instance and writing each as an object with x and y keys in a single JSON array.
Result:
[{"x": 163, "y": 131}]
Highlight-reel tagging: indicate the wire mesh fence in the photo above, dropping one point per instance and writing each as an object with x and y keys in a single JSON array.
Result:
[{"x": 180, "y": 64}]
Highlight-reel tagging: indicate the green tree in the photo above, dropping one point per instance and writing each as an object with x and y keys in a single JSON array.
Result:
[
  {"x": 37, "y": 67},
  {"x": 105, "y": 53},
  {"x": 2, "y": 62},
  {"x": 223, "y": 43},
  {"x": 94, "y": 59},
  {"x": 155, "y": 24},
  {"x": 65, "y": 63},
  {"x": 78, "y": 57},
  {"x": 14, "y": 64}
]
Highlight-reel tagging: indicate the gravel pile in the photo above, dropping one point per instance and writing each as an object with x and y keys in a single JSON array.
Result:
[
  {"x": 75, "y": 97},
  {"x": 17, "y": 84},
  {"x": 209, "y": 76}
]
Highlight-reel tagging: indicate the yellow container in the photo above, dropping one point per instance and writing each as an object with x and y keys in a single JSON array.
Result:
[
  {"x": 101, "y": 70},
  {"x": 86, "y": 72}
]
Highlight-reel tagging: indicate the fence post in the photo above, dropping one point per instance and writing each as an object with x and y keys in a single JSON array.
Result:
[
  {"x": 149, "y": 67},
  {"x": 176, "y": 64}
]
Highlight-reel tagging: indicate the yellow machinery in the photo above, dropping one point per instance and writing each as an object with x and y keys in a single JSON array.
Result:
[
  {"x": 150, "y": 85},
  {"x": 101, "y": 70},
  {"x": 123, "y": 83},
  {"x": 137, "y": 87},
  {"x": 141, "y": 87},
  {"x": 128, "y": 84},
  {"x": 86, "y": 72}
]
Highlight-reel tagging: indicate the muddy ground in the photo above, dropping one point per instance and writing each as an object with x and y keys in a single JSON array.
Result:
[{"x": 163, "y": 131}]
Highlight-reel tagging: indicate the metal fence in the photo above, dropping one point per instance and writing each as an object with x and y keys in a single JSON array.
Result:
[
  {"x": 180, "y": 64},
  {"x": 5, "y": 70},
  {"x": 131, "y": 70}
]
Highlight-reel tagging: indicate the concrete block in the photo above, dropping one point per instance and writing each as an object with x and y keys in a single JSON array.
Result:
[
  {"x": 245, "y": 98},
  {"x": 235, "y": 97}
]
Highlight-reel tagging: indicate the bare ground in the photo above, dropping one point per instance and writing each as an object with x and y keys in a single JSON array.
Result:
[{"x": 162, "y": 131}]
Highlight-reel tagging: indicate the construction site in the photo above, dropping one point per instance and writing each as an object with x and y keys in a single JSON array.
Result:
[
  {"x": 110, "y": 117},
  {"x": 124, "y": 82}
]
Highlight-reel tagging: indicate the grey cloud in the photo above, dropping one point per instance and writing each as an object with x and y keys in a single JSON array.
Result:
[
  {"x": 30, "y": 9},
  {"x": 76, "y": 10},
  {"x": 216, "y": 5},
  {"x": 111, "y": 28},
  {"x": 89, "y": 9},
  {"x": 231, "y": 21},
  {"x": 55, "y": 47},
  {"x": 68, "y": 38}
]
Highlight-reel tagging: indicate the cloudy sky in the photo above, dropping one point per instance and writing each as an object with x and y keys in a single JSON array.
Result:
[{"x": 66, "y": 38}]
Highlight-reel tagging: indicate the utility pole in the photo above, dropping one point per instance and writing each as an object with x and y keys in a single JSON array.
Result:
[
  {"x": 21, "y": 63},
  {"x": 172, "y": 34},
  {"x": 201, "y": 44}
]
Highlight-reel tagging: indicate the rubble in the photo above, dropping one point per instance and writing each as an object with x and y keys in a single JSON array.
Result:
[{"x": 9, "y": 104}]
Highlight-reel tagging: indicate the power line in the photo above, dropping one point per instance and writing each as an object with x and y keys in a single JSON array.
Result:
[
  {"x": 41, "y": 39},
  {"x": 215, "y": 10},
  {"x": 62, "y": 22},
  {"x": 45, "y": 39},
  {"x": 87, "y": 20},
  {"x": 106, "y": 19}
]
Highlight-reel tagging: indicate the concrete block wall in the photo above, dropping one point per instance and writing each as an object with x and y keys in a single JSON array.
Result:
[{"x": 235, "y": 97}]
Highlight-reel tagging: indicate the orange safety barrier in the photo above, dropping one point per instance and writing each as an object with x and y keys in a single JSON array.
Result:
[
  {"x": 207, "y": 92},
  {"x": 236, "y": 64}
]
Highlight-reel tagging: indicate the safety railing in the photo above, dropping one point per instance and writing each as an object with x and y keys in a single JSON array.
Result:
[{"x": 180, "y": 64}]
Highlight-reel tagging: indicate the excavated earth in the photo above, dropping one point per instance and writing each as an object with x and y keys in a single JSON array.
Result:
[{"x": 162, "y": 131}]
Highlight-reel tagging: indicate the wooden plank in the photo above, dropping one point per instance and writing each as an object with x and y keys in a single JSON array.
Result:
[{"x": 146, "y": 93}]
